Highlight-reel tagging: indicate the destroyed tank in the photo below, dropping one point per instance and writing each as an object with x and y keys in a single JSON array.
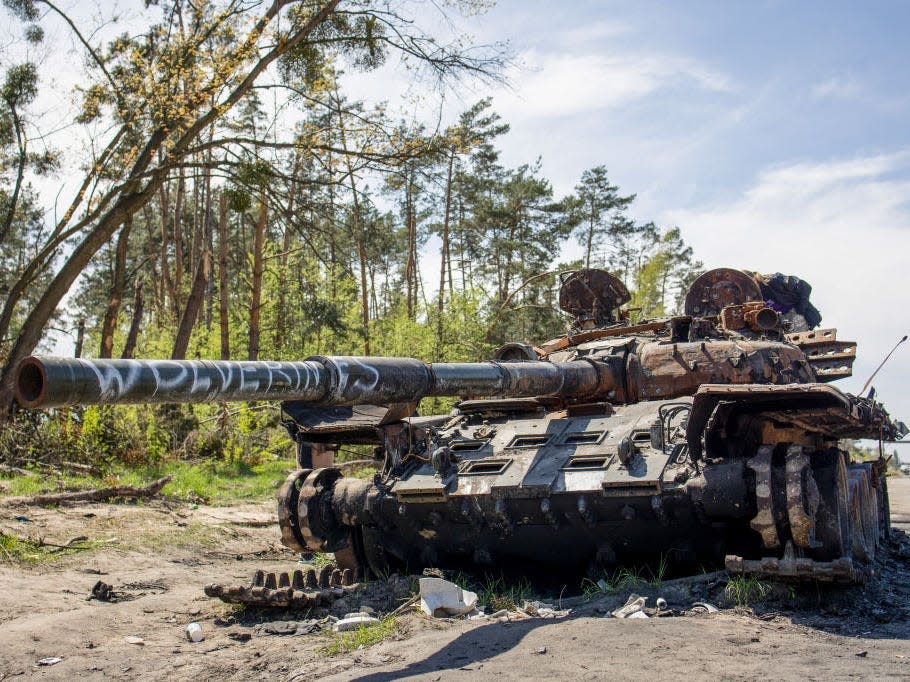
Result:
[{"x": 703, "y": 439}]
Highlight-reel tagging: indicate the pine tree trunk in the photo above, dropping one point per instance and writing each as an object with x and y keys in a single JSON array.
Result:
[
  {"x": 178, "y": 239},
  {"x": 129, "y": 348},
  {"x": 193, "y": 305},
  {"x": 169, "y": 294},
  {"x": 409, "y": 264},
  {"x": 109, "y": 324},
  {"x": 80, "y": 339},
  {"x": 208, "y": 244},
  {"x": 258, "y": 267},
  {"x": 590, "y": 236},
  {"x": 444, "y": 259},
  {"x": 223, "y": 299},
  {"x": 364, "y": 295}
]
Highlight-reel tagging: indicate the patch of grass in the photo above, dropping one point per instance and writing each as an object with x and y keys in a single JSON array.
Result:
[
  {"x": 14, "y": 549},
  {"x": 364, "y": 636},
  {"x": 745, "y": 589},
  {"x": 210, "y": 481}
]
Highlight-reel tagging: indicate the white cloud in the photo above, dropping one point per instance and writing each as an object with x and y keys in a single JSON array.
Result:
[
  {"x": 561, "y": 84},
  {"x": 844, "y": 226},
  {"x": 838, "y": 87}
]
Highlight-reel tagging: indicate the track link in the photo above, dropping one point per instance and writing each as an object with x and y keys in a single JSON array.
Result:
[{"x": 289, "y": 589}]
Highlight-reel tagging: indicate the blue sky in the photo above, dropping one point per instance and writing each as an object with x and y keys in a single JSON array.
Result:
[{"x": 775, "y": 134}]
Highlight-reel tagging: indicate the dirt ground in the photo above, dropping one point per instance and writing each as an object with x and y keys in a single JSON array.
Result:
[{"x": 158, "y": 557}]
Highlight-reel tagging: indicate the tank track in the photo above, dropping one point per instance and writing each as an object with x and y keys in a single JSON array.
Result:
[
  {"x": 831, "y": 523},
  {"x": 296, "y": 590}
]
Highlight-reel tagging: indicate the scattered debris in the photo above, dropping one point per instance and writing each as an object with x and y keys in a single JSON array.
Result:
[
  {"x": 862, "y": 654},
  {"x": 193, "y": 632},
  {"x": 281, "y": 627},
  {"x": 294, "y": 627},
  {"x": 634, "y": 604},
  {"x": 440, "y": 598},
  {"x": 50, "y": 660},
  {"x": 703, "y": 607},
  {"x": 353, "y": 621},
  {"x": 94, "y": 495},
  {"x": 538, "y": 609},
  {"x": 102, "y": 592},
  {"x": 638, "y": 614},
  {"x": 132, "y": 639},
  {"x": 542, "y": 650}
]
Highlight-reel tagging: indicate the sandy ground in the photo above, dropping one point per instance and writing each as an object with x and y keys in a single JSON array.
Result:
[{"x": 44, "y": 613}]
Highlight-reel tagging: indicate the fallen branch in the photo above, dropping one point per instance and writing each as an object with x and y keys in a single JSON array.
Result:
[
  {"x": 95, "y": 495},
  {"x": 410, "y": 602},
  {"x": 69, "y": 543},
  {"x": 7, "y": 469}
]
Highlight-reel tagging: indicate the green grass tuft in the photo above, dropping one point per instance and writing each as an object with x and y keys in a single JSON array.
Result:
[
  {"x": 499, "y": 593},
  {"x": 743, "y": 590},
  {"x": 364, "y": 636}
]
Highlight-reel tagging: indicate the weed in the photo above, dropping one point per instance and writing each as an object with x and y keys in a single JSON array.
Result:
[
  {"x": 498, "y": 593},
  {"x": 364, "y": 636},
  {"x": 626, "y": 578},
  {"x": 745, "y": 589},
  {"x": 657, "y": 577},
  {"x": 320, "y": 559}
]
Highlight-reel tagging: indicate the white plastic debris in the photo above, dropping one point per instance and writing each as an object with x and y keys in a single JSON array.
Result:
[
  {"x": 543, "y": 610},
  {"x": 440, "y": 598},
  {"x": 704, "y": 607},
  {"x": 661, "y": 604},
  {"x": 633, "y": 604},
  {"x": 193, "y": 632},
  {"x": 50, "y": 660},
  {"x": 132, "y": 639},
  {"x": 638, "y": 614},
  {"x": 354, "y": 622}
]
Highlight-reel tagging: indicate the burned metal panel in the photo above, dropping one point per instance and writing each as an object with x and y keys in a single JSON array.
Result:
[{"x": 830, "y": 359}]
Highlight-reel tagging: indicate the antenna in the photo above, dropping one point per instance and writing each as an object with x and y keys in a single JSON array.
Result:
[{"x": 869, "y": 380}]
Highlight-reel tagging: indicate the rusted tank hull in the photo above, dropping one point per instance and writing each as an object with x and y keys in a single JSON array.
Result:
[{"x": 572, "y": 493}]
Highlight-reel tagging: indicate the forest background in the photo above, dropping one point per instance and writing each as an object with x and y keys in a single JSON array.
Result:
[{"x": 211, "y": 192}]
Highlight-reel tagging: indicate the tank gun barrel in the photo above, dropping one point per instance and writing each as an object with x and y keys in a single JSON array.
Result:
[{"x": 322, "y": 380}]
